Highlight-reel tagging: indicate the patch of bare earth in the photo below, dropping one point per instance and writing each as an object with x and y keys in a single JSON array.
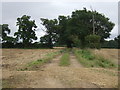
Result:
[
  {"x": 42, "y": 78},
  {"x": 52, "y": 75},
  {"x": 60, "y": 77},
  {"x": 74, "y": 62}
]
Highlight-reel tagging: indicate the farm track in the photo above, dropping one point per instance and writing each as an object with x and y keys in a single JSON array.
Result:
[
  {"x": 74, "y": 62},
  {"x": 51, "y": 75},
  {"x": 60, "y": 80},
  {"x": 54, "y": 62}
]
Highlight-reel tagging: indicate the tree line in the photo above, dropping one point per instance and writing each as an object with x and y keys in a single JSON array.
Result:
[{"x": 75, "y": 30}]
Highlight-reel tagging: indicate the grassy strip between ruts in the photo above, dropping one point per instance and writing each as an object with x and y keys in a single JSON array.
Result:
[
  {"x": 65, "y": 59},
  {"x": 86, "y": 58},
  {"x": 35, "y": 64}
]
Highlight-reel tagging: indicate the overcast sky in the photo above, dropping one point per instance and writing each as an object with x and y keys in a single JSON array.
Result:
[{"x": 12, "y": 10}]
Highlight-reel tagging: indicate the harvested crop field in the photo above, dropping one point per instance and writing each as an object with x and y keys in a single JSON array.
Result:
[
  {"x": 111, "y": 54},
  {"x": 16, "y": 58},
  {"x": 52, "y": 74}
]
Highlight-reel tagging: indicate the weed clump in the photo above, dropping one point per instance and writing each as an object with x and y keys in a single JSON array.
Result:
[{"x": 88, "y": 59}]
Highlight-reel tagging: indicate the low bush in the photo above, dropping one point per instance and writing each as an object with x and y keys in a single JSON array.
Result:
[{"x": 93, "y": 41}]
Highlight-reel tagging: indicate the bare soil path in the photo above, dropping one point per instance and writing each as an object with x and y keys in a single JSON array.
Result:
[
  {"x": 74, "y": 62},
  {"x": 54, "y": 62}
]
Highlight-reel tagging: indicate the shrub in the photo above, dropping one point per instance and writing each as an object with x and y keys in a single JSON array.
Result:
[{"x": 93, "y": 41}]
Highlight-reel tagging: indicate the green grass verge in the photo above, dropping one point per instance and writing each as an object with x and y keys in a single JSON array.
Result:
[
  {"x": 47, "y": 58},
  {"x": 86, "y": 58},
  {"x": 65, "y": 60}
]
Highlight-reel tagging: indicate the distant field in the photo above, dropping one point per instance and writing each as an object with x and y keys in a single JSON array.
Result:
[{"x": 70, "y": 74}]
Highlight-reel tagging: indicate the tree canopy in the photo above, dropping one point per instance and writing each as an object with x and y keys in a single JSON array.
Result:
[
  {"x": 26, "y": 30},
  {"x": 5, "y": 31},
  {"x": 75, "y": 30},
  {"x": 79, "y": 25},
  {"x": 51, "y": 32}
]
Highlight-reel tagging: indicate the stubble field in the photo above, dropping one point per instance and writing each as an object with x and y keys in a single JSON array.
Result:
[{"x": 16, "y": 74}]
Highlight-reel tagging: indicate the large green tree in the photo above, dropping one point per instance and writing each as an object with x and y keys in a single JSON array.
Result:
[
  {"x": 51, "y": 32},
  {"x": 26, "y": 30},
  {"x": 80, "y": 24}
]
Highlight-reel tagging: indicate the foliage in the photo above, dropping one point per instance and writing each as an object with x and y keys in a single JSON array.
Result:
[
  {"x": 112, "y": 43},
  {"x": 51, "y": 30},
  {"x": 71, "y": 31},
  {"x": 117, "y": 39},
  {"x": 5, "y": 31},
  {"x": 65, "y": 35},
  {"x": 7, "y": 41},
  {"x": 79, "y": 25},
  {"x": 26, "y": 30},
  {"x": 93, "y": 41},
  {"x": 88, "y": 59}
]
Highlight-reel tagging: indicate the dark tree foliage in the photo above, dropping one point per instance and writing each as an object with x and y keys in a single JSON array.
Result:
[
  {"x": 51, "y": 32},
  {"x": 117, "y": 39},
  {"x": 112, "y": 43},
  {"x": 93, "y": 41},
  {"x": 103, "y": 26},
  {"x": 64, "y": 33},
  {"x": 81, "y": 22},
  {"x": 75, "y": 30},
  {"x": 26, "y": 30},
  {"x": 80, "y": 25},
  {"x": 7, "y": 41},
  {"x": 5, "y": 31}
]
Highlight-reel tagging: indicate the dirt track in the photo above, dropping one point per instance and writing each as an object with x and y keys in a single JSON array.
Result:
[
  {"x": 52, "y": 75},
  {"x": 74, "y": 62}
]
